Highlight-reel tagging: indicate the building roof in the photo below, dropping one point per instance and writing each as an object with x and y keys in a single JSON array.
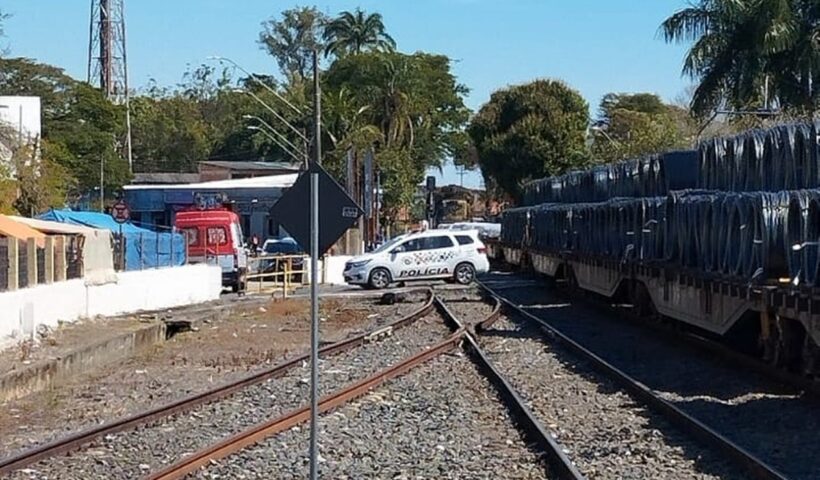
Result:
[
  {"x": 14, "y": 229},
  {"x": 47, "y": 226},
  {"x": 268, "y": 181},
  {"x": 251, "y": 165},
  {"x": 164, "y": 178}
]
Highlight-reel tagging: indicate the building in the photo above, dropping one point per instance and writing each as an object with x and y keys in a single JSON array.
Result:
[
  {"x": 212, "y": 170},
  {"x": 164, "y": 178},
  {"x": 251, "y": 198}
]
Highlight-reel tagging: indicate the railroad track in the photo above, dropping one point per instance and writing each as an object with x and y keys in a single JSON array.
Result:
[
  {"x": 212, "y": 462},
  {"x": 411, "y": 370},
  {"x": 111, "y": 429},
  {"x": 716, "y": 432},
  {"x": 205, "y": 428}
]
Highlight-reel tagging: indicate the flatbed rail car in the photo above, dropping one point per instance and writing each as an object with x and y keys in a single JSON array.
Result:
[{"x": 716, "y": 305}]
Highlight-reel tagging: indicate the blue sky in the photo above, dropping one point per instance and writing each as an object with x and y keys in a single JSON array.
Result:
[{"x": 597, "y": 46}]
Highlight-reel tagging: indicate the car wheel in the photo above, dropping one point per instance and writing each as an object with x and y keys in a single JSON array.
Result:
[
  {"x": 464, "y": 274},
  {"x": 379, "y": 278}
]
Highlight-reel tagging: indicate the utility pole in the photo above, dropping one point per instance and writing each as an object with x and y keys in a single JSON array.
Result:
[
  {"x": 102, "y": 183},
  {"x": 314, "y": 272},
  {"x": 461, "y": 172}
]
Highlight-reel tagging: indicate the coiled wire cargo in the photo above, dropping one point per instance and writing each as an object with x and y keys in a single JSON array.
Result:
[
  {"x": 754, "y": 216},
  {"x": 780, "y": 158},
  {"x": 650, "y": 176}
]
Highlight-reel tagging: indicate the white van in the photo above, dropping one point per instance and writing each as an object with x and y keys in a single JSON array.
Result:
[{"x": 432, "y": 254}]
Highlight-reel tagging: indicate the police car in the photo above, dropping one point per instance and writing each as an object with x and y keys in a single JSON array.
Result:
[{"x": 432, "y": 254}]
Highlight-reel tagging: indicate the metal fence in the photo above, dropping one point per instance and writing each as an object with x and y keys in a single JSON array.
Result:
[{"x": 277, "y": 272}]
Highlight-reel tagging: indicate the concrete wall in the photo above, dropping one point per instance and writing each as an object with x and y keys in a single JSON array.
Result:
[
  {"x": 23, "y": 310},
  {"x": 331, "y": 269}
]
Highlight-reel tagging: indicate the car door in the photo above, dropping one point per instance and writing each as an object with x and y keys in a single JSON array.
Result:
[
  {"x": 404, "y": 257},
  {"x": 437, "y": 255}
]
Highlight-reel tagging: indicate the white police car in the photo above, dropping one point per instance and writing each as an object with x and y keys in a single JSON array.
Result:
[{"x": 432, "y": 254}]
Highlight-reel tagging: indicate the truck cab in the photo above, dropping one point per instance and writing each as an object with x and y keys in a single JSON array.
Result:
[{"x": 215, "y": 237}]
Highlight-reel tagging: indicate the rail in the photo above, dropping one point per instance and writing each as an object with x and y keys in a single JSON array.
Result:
[
  {"x": 77, "y": 440},
  {"x": 561, "y": 465},
  {"x": 756, "y": 467},
  {"x": 266, "y": 429}
]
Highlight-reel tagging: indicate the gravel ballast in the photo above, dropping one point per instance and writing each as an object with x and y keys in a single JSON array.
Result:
[
  {"x": 135, "y": 453},
  {"x": 603, "y": 430},
  {"x": 441, "y": 420},
  {"x": 216, "y": 353},
  {"x": 773, "y": 422}
]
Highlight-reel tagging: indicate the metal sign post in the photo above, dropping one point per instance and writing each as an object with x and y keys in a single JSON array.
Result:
[
  {"x": 331, "y": 215},
  {"x": 314, "y": 274}
]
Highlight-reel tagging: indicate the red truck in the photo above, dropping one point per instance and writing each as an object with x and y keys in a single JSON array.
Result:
[{"x": 215, "y": 237}]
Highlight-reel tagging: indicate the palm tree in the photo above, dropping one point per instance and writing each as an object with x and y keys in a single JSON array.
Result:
[
  {"x": 353, "y": 33},
  {"x": 735, "y": 44}
]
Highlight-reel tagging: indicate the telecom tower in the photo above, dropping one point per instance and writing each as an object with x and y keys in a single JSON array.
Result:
[{"x": 107, "y": 60}]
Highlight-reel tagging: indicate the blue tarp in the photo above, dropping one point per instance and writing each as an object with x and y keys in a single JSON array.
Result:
[{"x": 143, "y": 248}]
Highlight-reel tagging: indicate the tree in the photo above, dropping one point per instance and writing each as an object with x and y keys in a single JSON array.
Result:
[
  {"x": 749, "y": 54},
  {"x": 292, "y": 39},
  {"x": 3, "y": 18},
  {"x": 82, "y": 129},
  {"x": 354, "y": 33},
  {"x": 411, "y": 104},
  {"x": 41, "y": 184},
  {"x": 633, "y": 125},
  {"x": 529, "y": 131}
]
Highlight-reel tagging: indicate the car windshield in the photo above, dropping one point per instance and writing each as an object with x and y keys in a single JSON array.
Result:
[
  {"x": 390, "y": 244},
  {"x": 281, "y": 247}
]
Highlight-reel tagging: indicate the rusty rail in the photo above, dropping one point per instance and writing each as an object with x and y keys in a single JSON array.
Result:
[
  {"x": 266, "y": 429},
  {"x": 77, "y": 440},
  {"x": 557, "y": 463},
  {"x": 493, "y": 317},
  {"x": 754, "y": 466}
]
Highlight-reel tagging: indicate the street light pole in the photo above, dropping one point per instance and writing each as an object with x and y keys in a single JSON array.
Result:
[
  {"x": 274, "y": 112},
  {"x": 257, "y": 80},
  {"x": 276, "y": 141},
  {"x": 314, "y": 273},
  {"x": 283, "y": 138}
]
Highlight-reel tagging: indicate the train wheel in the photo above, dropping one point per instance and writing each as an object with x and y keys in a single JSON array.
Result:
[
  {"x": 785, "y": 345},
  {"x": 641, "y": 301},
  {"x": 810, "y": 358}
]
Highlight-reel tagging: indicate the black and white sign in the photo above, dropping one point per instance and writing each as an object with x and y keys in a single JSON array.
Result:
[{"x": 337, "y": 211}]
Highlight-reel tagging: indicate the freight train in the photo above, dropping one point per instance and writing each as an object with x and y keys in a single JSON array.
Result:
[{"x": 725, "y": 238}]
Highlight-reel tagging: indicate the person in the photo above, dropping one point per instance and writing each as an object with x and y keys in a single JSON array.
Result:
[{"x": 254, "y": 245}]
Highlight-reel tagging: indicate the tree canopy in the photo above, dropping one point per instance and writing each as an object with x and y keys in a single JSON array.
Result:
[
  {"x": 634, "y": 125},
  {"x": 292, "y": 39},
  {"x": 411, "y": 107},
  {"x": 750, "y": 54},
  {"x": 81, "y": 131},
  {"x": 529, "y": 131},
  {"x": 357, "y": 32},
  {"x": 3, "y": 18}
]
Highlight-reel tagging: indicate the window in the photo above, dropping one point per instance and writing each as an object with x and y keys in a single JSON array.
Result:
[
  {"x": 433, "y": 243},
  {"x": 217, "y": 236},
  {"x": 413, "y": 245},
  {"x": 464, "y": 239},
  {"x": 192, "y": 235}
]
